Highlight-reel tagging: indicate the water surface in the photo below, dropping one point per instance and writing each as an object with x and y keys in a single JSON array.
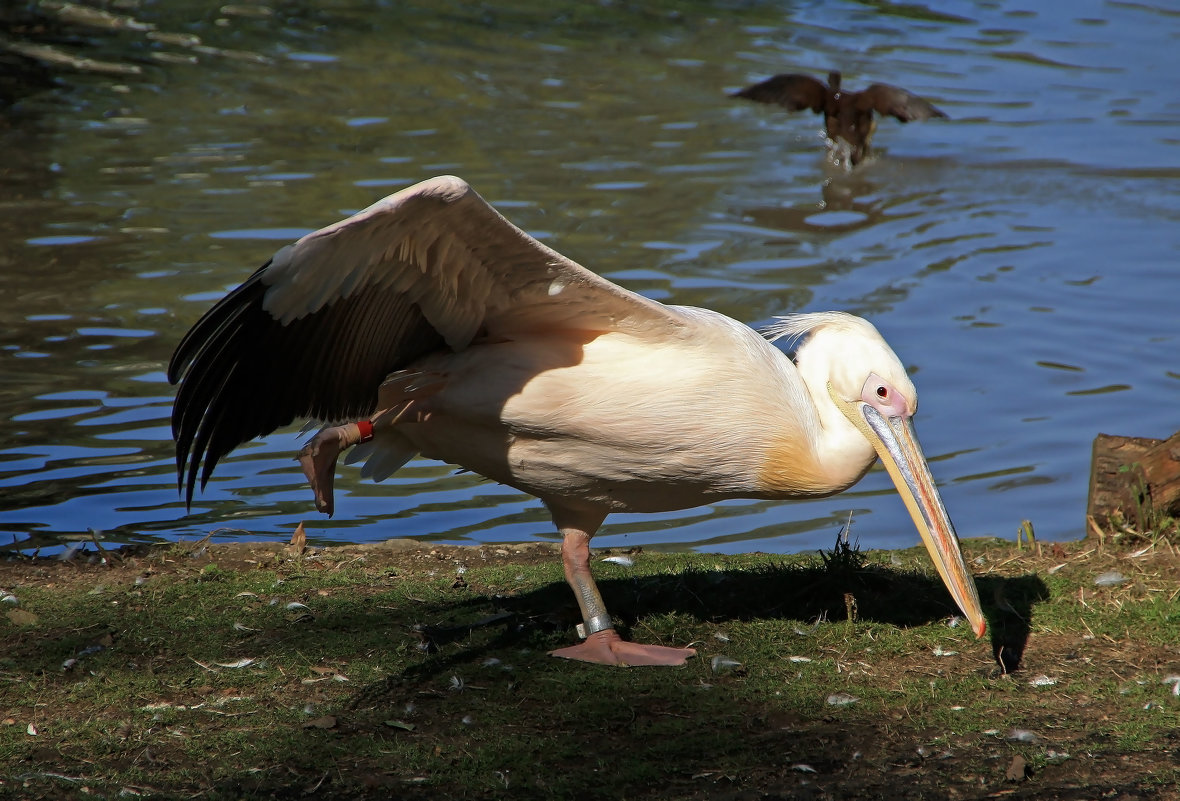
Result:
[{"x": 1020, "y": 256}]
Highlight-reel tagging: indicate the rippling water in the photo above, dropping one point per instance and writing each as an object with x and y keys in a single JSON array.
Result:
[{"x": 1021, "y": 256}]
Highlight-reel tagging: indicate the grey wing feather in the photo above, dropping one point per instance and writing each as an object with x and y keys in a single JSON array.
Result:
[{"x": 446, "y": 249}]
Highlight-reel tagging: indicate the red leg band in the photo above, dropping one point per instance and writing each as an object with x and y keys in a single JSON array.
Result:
[{"x": 366, "y": 430}]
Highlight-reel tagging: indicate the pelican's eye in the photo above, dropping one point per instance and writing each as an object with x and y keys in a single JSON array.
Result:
[{"x": 878, "y": 392}]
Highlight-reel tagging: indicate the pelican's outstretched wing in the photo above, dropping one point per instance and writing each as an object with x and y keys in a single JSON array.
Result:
[
  {"x": 315, "y": 330},
  {"x": 895, "y": 102},
  {"x": 792, "y": 91}
]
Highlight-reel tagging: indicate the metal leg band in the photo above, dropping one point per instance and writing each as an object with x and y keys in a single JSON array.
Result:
[{"x": 599, "y": 623}]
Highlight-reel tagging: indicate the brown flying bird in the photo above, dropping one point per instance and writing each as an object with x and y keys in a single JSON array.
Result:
[{"x": 847, "y": 115}]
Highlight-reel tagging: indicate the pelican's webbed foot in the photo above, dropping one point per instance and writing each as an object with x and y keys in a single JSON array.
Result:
[
  {"x": 608, "y": 648},
  {"x": 318, "y": 458}
]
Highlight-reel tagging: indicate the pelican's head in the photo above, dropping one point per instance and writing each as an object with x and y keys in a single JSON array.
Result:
[{"x": 869, "y": 385}]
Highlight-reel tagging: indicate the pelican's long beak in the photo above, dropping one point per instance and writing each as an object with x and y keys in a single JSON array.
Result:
[{"x": 897, "y": 445}]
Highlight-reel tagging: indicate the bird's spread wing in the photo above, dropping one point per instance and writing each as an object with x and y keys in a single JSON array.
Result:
[
  {"x": 895, "y": 102},
  {"x": 792, "y": 91},
  {"x": 314, "y": 331}
]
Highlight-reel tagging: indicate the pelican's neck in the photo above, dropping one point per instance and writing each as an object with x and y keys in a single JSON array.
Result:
[
  {"x": 846, "y": 454},
  {"x": 841, "y": 451},
  {"x": 814, "y": 450}
]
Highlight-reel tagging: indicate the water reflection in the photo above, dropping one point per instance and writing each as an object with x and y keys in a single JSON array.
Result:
[
  {"x": 1031, "y": 230},
  {"x": 839, "y": 211}
]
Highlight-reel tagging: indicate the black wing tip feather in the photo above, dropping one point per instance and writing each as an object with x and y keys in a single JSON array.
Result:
[
  {"x": 193, "y": 342},
  {"x": 201, "y": 363}
]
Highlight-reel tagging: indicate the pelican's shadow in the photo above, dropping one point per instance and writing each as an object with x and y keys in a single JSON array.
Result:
[
  {"x": 1010, "y": 615},
  {"x": 775, "y": 590}
]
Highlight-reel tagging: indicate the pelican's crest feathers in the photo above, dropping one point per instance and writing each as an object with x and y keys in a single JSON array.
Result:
[{"x": 794, "y": 327}]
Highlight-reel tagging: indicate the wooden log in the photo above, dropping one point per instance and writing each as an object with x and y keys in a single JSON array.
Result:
[
  {"x": 1135, "y": 478},
  {"x": 1161, "y": 465}
]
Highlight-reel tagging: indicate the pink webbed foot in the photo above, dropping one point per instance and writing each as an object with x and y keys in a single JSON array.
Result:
[
  {"x": 608, "y": 648},
  {"x": 318, "y": 459}
]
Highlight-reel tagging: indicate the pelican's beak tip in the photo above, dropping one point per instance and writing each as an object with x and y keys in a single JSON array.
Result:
[{"x": 980, "y": 629}]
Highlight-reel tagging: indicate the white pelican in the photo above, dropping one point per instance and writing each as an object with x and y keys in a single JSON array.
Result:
[
  {"x": 428, "y": 323},
  {"x": 847, "y": 115}
]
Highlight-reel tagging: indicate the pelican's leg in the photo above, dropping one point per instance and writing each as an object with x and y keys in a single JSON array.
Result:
[
  {"x": 399, "y": 396},
  {"x": 318, "y": 458},
  {"x": 603, "y": 644}
]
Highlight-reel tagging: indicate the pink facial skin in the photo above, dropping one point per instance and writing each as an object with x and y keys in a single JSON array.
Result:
[{"x": 881, "y": 395}]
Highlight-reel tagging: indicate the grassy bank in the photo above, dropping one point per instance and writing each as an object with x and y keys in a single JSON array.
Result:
[{"x": 411, "y": 671}]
